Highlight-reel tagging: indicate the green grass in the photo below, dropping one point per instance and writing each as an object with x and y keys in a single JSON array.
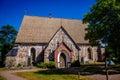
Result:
[
  {"x": 2, "y": 69},
  {"x": 94, "y": 63},
  {"x": 115, "y": 67},
  {"x": 50, "y": 75},
  {"x": 2, "y": 78},
  {"x": 92, "y": 69},
  {"x": 98, "y": 68}
]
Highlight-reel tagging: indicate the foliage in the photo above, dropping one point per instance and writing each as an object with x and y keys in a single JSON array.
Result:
[
  {"x": 110, "y": 51},
  {"x": 7, "y": 38},
  {"x": 19, "y": 65},
  {"x": 75, "y": 63},
  {"x": 0, "y": 57},
  {"x": 50, "y": 64},
  {"x": 103, "y": 24},
  {"x": 42, "y": 65}
]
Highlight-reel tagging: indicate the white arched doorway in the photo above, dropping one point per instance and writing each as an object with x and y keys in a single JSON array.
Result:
[{"x": 63, "y": 59}]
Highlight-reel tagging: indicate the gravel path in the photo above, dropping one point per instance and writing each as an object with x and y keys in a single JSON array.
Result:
[
  {"x": 103, "y": 77},
  {"x": 9, "y": 76}
]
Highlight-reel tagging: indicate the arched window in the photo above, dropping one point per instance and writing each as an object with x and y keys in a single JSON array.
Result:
[
  {"x": 90, "y": 54},
  {"x": 33, "y": 54}
]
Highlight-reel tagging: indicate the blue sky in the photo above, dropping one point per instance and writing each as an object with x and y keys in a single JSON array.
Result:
[{"x": 13, "y": 11}]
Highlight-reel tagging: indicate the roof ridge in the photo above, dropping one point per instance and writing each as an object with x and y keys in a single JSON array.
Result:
[{"x": 53, "y": 17}]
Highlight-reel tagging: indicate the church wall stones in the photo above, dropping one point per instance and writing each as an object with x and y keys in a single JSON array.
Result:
[
  {"x": 58, "y": 38},
  {"x": 24, "y": 52}
]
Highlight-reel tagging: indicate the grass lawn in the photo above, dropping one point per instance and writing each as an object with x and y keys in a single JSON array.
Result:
[
  {"x": 115, "y": 67},
  {"x": 98, "y": 68},
  {"x": 2, "y": 69},
  {"x": 94, "y": 63},
  {"x": 2, "y": 78},
  {"x": 92, "y": 69},
  {"x": 50, "y": 75}
]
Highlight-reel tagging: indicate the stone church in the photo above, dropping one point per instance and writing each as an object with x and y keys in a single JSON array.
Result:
[{"x": 44, "y": 39}]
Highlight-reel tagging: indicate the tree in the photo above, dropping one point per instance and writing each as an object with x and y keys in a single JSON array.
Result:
[
  {"x": 7, "y": 38},
  {"x": 104, "y": 24}
]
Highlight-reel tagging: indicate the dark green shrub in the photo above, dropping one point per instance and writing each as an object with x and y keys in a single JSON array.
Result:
[
  {"x": 19, "y": 65},
  {"x": 42, "y": 65},
  {"x": 75, "y": 63},
  {"x": 50, "y": 64}
]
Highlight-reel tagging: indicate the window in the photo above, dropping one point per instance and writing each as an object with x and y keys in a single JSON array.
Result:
[{"x": 90, "y": 54}]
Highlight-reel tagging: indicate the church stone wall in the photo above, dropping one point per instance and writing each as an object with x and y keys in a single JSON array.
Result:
[
  {"x": 97, "y": 53},
  {"x": 24, "y": 52},
  {"x": 60, "y": 37},
  {"x": 84, "y": 54},
  {"x": 10, "y": 61}
]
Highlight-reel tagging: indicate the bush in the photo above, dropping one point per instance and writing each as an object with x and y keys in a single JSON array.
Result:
[
  {"x": 19, "y": 65},
  {"x": 42, "y": 65},
  {"x": 50, "y": 64},
  {"x": 75, "y": 63}
]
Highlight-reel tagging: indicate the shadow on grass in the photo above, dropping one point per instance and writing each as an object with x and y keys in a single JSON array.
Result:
[
  {"x": 99, "y": 69},
  {"x": 52, "y": 72},
  {"x": 83, "y": 70}
]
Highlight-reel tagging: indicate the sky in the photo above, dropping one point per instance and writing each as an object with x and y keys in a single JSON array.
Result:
[{"x": 13, "y": 11}]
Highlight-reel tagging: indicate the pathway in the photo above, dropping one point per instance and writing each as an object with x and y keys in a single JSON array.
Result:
[
  {"x": 9, "y": 76},
  {"x": 103, "y": 77}
]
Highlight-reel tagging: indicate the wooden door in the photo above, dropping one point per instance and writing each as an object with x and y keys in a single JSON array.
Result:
[{"x": 62, "y": 60}]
